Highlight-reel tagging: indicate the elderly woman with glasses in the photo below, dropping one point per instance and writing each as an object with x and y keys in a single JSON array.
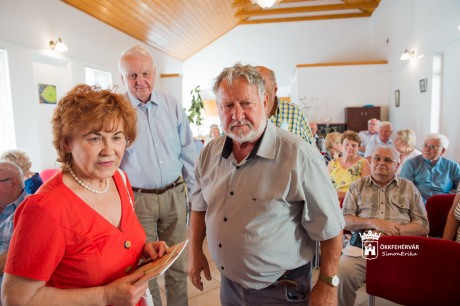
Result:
[
  {"x": 405, "y": 145},
  {"x": 77, "y": 240}
]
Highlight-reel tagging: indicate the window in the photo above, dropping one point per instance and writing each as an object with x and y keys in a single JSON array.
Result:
[
  {"x": 7, "y": 133},
  {"x": 102, "y": 79},
  {"x": 436, "y": 94}
]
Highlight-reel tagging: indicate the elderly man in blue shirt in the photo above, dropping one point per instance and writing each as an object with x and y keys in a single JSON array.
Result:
[
  {"x": 11, "y": 195},
  {"x": 158, "y": 164},
  {"x": 431, "y": 172}
]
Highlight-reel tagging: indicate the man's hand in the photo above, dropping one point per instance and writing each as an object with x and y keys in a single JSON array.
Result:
[
  {"x": 197, "y": 262},
  {"x": 387, "y": 228},
  {"x": 323, "y": 294}
]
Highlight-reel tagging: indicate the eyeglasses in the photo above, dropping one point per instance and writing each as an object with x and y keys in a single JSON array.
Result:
[
  {"x": 430, "y": 147},
  {"x": 386, "y": 160},
  {"x": 229, "y": 107},
  {"x": 5, "y": 180}
]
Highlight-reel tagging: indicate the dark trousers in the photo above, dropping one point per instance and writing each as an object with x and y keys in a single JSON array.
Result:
[{"x": 282, "y": 292}]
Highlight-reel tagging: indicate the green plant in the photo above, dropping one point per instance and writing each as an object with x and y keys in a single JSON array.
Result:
[{"x": 194, "y": 112}]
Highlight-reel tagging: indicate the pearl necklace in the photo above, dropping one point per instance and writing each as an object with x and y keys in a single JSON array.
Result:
[{"x": 82, "y": 184}]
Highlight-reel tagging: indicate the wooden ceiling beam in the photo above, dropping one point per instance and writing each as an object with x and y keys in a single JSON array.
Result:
[
  {"x": 308, "y": 9},
  {"x": 305, "y": 18}
]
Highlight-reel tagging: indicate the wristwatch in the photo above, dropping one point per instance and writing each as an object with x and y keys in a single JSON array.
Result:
[{"x": 332, "y": 280}]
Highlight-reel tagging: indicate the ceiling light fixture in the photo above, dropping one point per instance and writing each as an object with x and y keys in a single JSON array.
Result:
[
  {"x": 58, "y": 46},
  {"x": 265, "y": 3},
  {"x": 407, "y": 55}
]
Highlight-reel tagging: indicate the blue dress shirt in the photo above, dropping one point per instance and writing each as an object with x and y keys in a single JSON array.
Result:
[
  {"x": 431, "y": 179},
  {"x": 164, "y": 148}
]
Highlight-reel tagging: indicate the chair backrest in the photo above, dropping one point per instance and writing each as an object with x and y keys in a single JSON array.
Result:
[
  {"x": 46, "y": 174},
  {"x": 437, "y": 209},
  {"x": 428, "y": 277}
]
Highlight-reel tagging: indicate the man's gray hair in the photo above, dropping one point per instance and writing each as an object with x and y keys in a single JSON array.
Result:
[
  {"x": 238, "y": 71},
  {"x": 393, "y": 152},
  {"x": 443, "y": 140},
  {"x": 386, "y": 123},
  {"x": 12, "y": 170},
  {"x": 133, "y": 50}
]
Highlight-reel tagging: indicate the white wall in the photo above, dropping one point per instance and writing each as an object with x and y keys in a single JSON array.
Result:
[
  {"x": 426, "y": 26},
  {"x": 27, "y": 27},
  {"x": 280, "y": 46},
  {"x": 324, "y": 92},
  {"x": 429, "y": 28}
]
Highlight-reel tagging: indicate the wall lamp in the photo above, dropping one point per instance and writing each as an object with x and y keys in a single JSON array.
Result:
[
  {"x": 407, "y": 55},
  {"x": 58, "y": 46}
]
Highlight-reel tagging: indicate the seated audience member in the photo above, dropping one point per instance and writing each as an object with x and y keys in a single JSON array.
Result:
[
  {"x": 214, "y": 133},
  {"x": 319, "y": 141},
  {"x": 431, "y": 172},
  {"x": 350, "y": 167},
  {"x": 32, "y": 180},
  {"x": 76, "y": 240},
  {"x": 405, "y": 145},
  {"x": 384, "y": 203},
  {"x": 382, "y": 139},
  {"x": 333, "y": 146},
  {"x": 285, "y": 115},
  {"x": 366, "y": 136},
  {"x": 452, "y": 228},
  {"x": 12, "y": 193}
]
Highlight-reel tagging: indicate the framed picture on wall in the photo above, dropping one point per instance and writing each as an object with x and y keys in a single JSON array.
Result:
[
  {"x": 397, "y": 98},
  {"x": 47, "y": 94},
  {"x": 423, "y": 83}
]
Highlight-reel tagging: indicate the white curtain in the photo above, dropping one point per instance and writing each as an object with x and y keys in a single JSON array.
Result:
[
  {"x": 7, "y": 133},
  {"x": 100, "y": 78}
]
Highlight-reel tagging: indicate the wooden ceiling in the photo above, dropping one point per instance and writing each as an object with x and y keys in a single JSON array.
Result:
[{"x": 181, "y": 28}]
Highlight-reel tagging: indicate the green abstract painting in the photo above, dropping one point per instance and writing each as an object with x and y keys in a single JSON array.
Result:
[{"x": 47, "y": 93}]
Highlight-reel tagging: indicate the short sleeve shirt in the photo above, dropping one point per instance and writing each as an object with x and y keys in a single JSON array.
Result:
[
  {"x": 264, "y": 213},
  {"x": 399, "y": 201},
  {"x": 59, "y": 239}
]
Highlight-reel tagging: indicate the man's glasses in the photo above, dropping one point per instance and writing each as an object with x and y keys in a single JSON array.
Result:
[
  {"x": 386, "y": 160},
  {"x": 5, "y": 180},
  {"x": 431, "y": 147}
]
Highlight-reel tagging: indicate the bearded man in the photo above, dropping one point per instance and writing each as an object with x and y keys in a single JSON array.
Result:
[{"x": 262, "y": 197}]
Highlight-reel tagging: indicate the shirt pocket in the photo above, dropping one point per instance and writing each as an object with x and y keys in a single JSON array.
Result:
[
  {"x": 365, "y": 206},
  {"x": 263, "y": 218},
  {"x": 401, "y": 205}
]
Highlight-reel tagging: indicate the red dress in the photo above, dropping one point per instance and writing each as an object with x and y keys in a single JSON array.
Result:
[{"x": 59, "y": 239}]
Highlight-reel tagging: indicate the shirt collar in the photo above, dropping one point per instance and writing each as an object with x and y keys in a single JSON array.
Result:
[
  {"x": 135, "y": 101},
  {"x": 260, "y": 148},
  {"x": 16, "y": 203},
  {"x": 428, "y": 161},
  {"x": 395, "y": 179}
]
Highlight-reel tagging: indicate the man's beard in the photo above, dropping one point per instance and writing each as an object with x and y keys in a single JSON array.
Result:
[{"x": 251, "y": 136}]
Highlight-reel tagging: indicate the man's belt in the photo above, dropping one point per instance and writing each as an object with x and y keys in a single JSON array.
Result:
[{"x": 162, "y": 190}]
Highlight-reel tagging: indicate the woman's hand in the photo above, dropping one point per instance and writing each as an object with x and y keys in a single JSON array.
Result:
[
  {"x": 154, "y": 249},
  {"x": 123, "y": 291}
]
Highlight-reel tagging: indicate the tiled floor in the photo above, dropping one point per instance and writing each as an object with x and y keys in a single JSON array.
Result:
[{"x": 210, "y": 294}]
